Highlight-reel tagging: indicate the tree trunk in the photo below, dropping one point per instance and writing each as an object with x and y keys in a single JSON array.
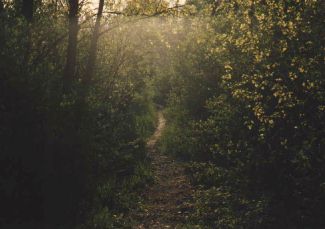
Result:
[
  {"x": 27, "y": 9},
  {"x": 1, "y": 6},
  {"x": 70, "y": 66},
  {"x": 93, "y": 46}
]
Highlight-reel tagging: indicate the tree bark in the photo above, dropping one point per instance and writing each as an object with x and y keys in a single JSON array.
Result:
[
  {"x": 1, "y": 6},
  {"x": 93, "y": 46},
  {"x": 70, "y": 66},
  {"x": 27, "y": 9}
]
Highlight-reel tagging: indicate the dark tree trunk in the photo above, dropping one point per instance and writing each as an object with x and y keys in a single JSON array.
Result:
[
  {"x": 93, "y": 46},
  {"x": 70, "y": 67},
  {"x": 1, "y": 6},
  {"x": 27, "y": 9}
]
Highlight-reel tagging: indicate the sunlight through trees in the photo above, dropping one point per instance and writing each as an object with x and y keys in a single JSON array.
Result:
[{"x": 241, "y": 84}]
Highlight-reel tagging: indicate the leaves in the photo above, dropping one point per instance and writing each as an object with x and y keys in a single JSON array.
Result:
[{"x": 263, "y": 122}]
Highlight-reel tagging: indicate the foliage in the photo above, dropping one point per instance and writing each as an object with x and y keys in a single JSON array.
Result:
[
  {"x": 69, "y": 157},
  {"x": 242, "y": 83},
  {"x": 261, "y": 128}
]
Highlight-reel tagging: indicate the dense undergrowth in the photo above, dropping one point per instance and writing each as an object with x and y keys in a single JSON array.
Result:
[
  {"x": 70, "y": 157},
  {"x": 246, "y": 109},
  {"x": 242, "y": 83}
]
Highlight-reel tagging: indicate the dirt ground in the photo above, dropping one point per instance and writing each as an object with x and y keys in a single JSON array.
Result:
[{"x": 167, "y": 203}]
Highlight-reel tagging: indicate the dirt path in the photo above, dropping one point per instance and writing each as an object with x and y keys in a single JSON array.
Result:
[{"x": 167, "y": 201}]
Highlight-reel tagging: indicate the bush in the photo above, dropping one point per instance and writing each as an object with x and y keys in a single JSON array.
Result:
[{"x": 261, "y": 137}]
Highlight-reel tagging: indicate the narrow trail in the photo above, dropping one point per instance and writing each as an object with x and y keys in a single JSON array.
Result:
[{"x": 167, "y": 203}]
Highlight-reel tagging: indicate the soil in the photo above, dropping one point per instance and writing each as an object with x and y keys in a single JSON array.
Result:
[{"x": 167, "y": 203}]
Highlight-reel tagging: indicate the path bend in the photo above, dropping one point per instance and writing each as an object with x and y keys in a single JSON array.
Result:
[{"x": 167, "y": 203}]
